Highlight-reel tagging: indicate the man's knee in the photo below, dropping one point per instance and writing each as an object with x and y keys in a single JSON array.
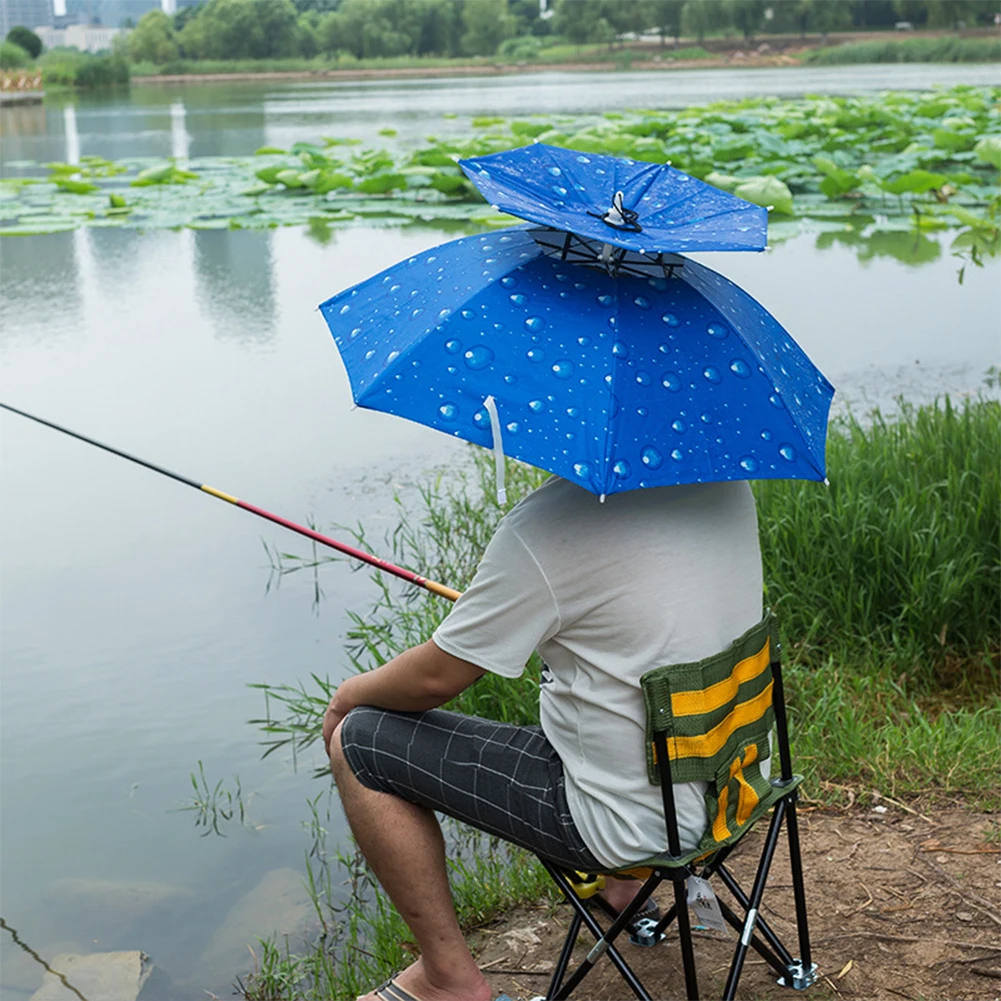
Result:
[{"x": 350, "y": 729}]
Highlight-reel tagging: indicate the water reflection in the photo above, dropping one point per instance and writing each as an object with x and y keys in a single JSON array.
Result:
[
  {"x": 180, "y": 138},
  {"x": 38, "y": 273},
  {"x": 235, "y": 283},
  {"x": 72, "y": 134},
  {"x": 909, "y": 246}
]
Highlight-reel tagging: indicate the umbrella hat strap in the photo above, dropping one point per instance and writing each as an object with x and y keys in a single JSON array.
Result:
[{"x": 495, "y": 429}]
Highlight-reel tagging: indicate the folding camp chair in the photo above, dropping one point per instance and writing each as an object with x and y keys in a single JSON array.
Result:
[{"x": 708, "y": 721}]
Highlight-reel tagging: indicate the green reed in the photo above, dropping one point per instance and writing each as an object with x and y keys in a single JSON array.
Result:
[
  {"x": 951, "y": 49},
  {"x": 901, "y": 552}
]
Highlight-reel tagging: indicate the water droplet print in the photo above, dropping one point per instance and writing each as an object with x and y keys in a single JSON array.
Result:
[
  {"x": 749, "y": 464},
  {"x": 573, "y": 412},
  {"x": 641, "y": 302},
  {"x": 671, "y": 381},
  {"x": 453, "y": 346},
  {"x": 740, "y": 368},
  {"x": 766, "y": 434},
  {"x": 537, "y": 406},
  {"x": 448, "y": 411},
  {"x": 787, "y": 452},
  {"x": 478, "y": 358},
  {"x": 555, "y": 171},
  {"x": 584, "y": 340},
  {"x": 622, "y": 469},
  {"x": 651, "y": 458},
  {"x": 509, "y": 281},
  {"x": 535, "y": 354},
  {"x": 712, "y": 375},
  {"x": 563, "y": 368},
  {"x": 718, "y": 330},
  {"x": 679, "y": 426},
  {"x": 534, "y": 324},
  {"x": 481, "y": 419},
  {"x": 776, "y": 401},
  {"x": 392, "y": 356},
  {"x": 644, "y": 378},
  {"x": 620, "y": 350},
  {"x": 518, "y": 299},
  {"x": 369, "y": 355},
  {"x": 513, "y": 427},
  {"x": 670, "y": 319},
  {"x": 677, "y": 455},
  {"x": 606, "y": 300},
  {"x": 582, "y": 470},
  {"x": 354, "y": 333},
  {"x": 345, "y": 309}
]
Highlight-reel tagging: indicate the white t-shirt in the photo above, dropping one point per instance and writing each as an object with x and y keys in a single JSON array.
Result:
[{"x": 605, "y": 592}]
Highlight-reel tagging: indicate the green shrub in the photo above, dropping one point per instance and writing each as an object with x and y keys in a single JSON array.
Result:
[
  {"x": 13, "y": 57},
  {"x": 67, "y": 68},
  {"x": 26, "y": 39}
]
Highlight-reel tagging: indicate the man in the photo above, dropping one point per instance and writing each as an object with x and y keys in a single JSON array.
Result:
[{"x": 605, "y": 592}]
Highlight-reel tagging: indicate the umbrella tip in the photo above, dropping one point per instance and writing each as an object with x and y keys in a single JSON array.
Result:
[{"x": 601, "y": 499}]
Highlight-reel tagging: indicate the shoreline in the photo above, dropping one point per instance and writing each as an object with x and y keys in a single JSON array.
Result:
[
  {"x": 749, "y": 61},
  {"x": 763, "y": 51}
]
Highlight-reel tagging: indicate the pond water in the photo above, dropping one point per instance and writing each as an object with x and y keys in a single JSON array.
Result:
[{"x": 135, "y": 611}]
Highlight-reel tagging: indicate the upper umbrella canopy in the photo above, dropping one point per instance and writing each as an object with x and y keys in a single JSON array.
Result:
[
  {"x": 643, "y": 207},
  {"x": 613, "y": 382}
]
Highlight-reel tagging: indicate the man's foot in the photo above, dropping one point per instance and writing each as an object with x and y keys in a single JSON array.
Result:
[{"x": 415, "y": 982}]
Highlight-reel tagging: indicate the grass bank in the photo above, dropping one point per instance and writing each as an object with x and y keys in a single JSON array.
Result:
[
  {"x": 948, "y": 49},
  {"x": 886, "y": 584}
]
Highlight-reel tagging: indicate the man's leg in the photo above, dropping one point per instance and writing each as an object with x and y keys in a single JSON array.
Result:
[{"x": 402, "y": 842}]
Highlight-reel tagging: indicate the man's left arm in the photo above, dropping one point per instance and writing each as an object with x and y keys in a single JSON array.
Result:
[{"x": 420, "y": 678}]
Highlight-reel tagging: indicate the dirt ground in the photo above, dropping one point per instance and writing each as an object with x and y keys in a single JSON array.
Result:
[{"x": 901, "y": 905}]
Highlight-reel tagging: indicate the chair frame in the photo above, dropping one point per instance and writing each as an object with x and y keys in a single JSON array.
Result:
[{"x": 754, "y": 932}]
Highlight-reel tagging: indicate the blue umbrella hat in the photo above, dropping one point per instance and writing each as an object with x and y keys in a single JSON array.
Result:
[
  {"x": 667, "y": 374},
  {"x": 628, "y": 204}
]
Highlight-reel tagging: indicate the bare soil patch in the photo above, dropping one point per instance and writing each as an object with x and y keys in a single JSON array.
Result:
[{"x": 901, "y": 905}]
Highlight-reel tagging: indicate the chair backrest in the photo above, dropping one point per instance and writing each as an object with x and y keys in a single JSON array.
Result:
[{"x": 715, "y": 717}]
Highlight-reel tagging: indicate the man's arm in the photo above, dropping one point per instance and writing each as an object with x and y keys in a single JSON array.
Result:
[{"x": 420, "y": 678}]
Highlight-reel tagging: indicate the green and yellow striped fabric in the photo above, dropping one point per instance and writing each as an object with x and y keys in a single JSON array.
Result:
[{"x": 716, "y": 715}]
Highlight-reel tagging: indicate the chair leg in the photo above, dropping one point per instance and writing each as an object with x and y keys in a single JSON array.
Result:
[
  {"x": 755, "y": 901},
  {"x": 565, "y": 953},
  {"x": 782, "y": 969},
  {"x": 604, "y": 938},
  {"x": 799, "y": 892},
  {"x": 685, "y": 939},
  {"x": 761, "y": 925}
]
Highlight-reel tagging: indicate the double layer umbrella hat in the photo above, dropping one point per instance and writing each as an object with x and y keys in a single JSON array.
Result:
[{"x": 613, "y": 369}]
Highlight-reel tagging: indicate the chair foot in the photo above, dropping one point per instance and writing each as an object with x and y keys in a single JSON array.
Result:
[
  {"x": 644, "y": 932},
  {"x": 798, "y": 976}
]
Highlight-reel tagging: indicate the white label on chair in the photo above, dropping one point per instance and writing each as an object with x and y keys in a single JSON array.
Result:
[{"x": 704, "y": 904}]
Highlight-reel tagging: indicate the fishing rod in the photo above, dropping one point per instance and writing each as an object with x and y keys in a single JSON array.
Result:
[{"x": 357, "y": 554}]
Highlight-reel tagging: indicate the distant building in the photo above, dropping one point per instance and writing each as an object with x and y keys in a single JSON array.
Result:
[
  {"x": 85, "y": 37},
  {"x": 28, "y": 13}
]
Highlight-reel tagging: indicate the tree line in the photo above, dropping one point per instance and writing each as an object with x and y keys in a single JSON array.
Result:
[{"x": 370, "y": 29}]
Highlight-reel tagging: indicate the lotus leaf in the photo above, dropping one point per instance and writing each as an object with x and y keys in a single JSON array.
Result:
[
  {"x": 75, "y": 187},
  {"x": 767, "y": 191},
  {"x": 989, "y": 150}
]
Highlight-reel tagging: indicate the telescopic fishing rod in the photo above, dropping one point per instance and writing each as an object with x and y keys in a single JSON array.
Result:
[{"x": 357, "y": 554}]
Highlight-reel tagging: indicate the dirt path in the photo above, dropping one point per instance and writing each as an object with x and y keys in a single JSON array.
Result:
[{"x": 900, "y": 905}]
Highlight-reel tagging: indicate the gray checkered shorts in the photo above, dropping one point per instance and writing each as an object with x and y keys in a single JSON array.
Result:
[{"x": 503, "y": 779}]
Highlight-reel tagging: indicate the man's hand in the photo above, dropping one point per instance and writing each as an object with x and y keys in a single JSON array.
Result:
[
  {"x": 340, "y": 706},
  {"x": 420, "y": 678}
]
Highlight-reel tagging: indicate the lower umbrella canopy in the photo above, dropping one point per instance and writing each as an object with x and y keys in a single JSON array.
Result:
[{"x": 612, "y": 382}]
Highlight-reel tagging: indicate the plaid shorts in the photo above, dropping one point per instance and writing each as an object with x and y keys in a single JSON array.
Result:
[{"x": 503, "y": 779}]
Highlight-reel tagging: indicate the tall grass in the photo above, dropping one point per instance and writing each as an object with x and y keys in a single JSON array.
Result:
[
  {"x": 901, "y": 551},
  {"x": 951, "y": 49}
]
